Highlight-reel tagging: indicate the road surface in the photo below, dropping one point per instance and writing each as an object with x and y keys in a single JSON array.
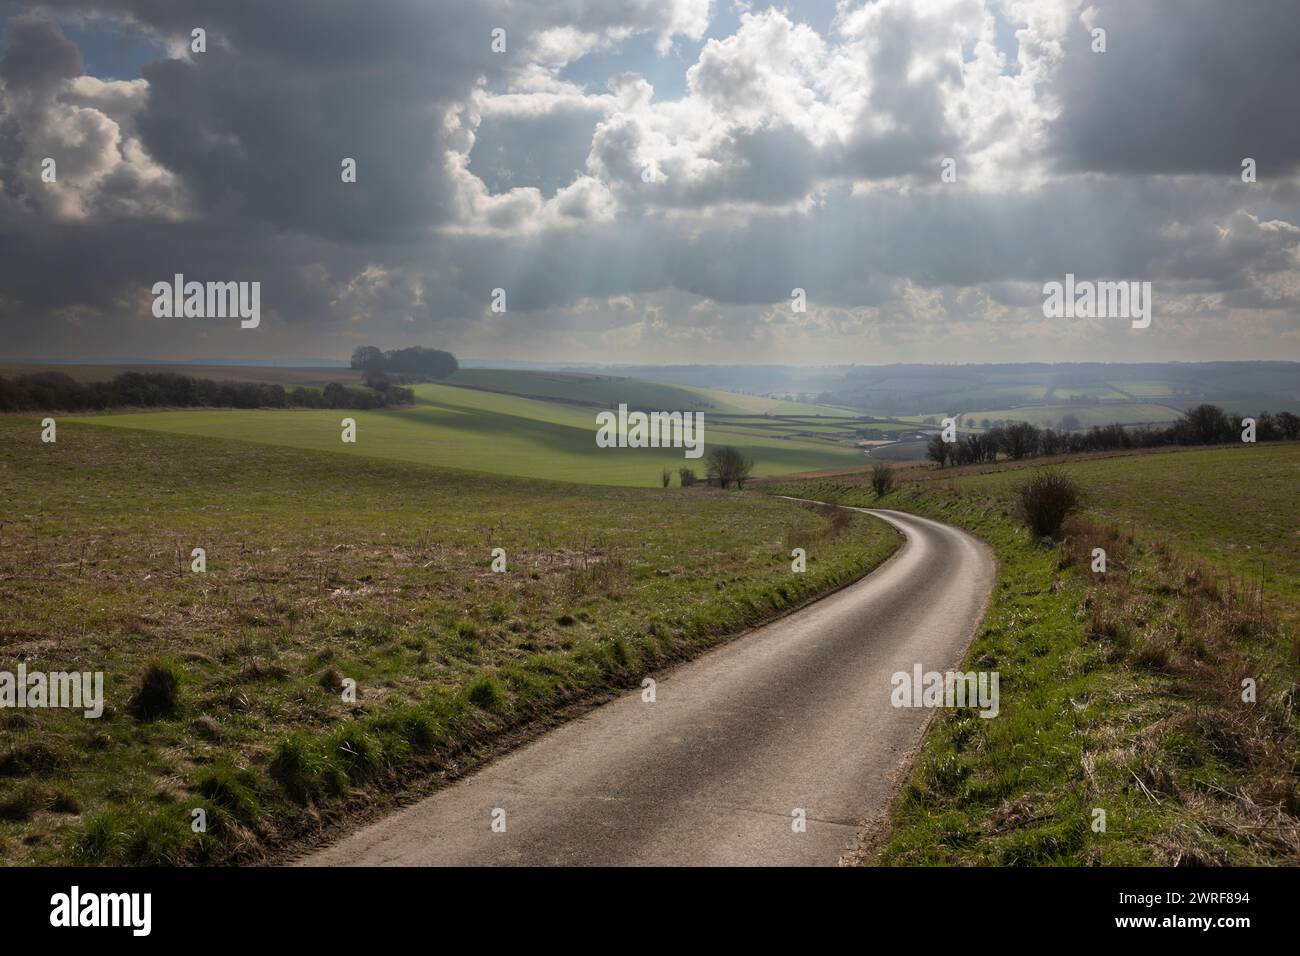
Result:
[{"x": 795, "y": 715}]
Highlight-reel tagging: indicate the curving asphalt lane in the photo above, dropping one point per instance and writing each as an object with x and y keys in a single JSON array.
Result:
[{"x": 793, "y": 715}]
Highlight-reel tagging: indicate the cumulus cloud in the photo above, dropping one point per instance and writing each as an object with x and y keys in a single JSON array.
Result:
[{"x": 52, "y": 112}]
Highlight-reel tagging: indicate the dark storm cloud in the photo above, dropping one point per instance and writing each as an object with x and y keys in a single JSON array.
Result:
[
  {"x": 37, "y": 55},
  {"x": 254, "y": 130},
  {"x": 258, "y": 126},
  {"x": 36, "y": 59},
  {"x": 1185, "y": 86}
]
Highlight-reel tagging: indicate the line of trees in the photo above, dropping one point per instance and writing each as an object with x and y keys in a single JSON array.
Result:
[
  {"x": 1202, "y": 425},
  {"x": 414, "y": 362},
  {"x": 58, "y": 391}
]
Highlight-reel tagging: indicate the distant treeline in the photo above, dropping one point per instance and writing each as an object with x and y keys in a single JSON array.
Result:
[
  {"x": 1202, "y": 425},
  {"x": 416, "y": 362},
  {"x": 57, "y": 391}
]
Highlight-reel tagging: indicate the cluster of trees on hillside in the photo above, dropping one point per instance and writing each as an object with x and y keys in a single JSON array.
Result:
[
  {"x": 1202, "y": 425},
  {"x": 724, "y": 466},
  {"x": 727, "y": 465},
  {"x": 413, "y": 363},
  {"x": 57, "y": 391}
]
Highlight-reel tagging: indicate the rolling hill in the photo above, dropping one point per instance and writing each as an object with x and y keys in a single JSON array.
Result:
[{"x": 491, "y": 431}]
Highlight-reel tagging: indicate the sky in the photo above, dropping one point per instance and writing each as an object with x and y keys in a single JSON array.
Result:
[{"x": 649, "y": 181}]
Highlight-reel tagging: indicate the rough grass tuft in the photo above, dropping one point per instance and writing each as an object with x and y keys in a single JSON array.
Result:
[
  {"x": 25, "y": 802},
  {"x": 485, "y": 693},
  {"x": 158, "y": 694},
  {"x": 296, "y": 766},
  {"x": 1046, "y": 499}
]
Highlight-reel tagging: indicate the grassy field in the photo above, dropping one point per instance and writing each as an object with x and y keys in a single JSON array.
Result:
[
  {"x": 1146, "y": 389},
  {"x": 224, "y": 688},
  {"x": 1121, "y": 692},
  {"x": 607, "y": 391},
  {"x": 1073, "y": 393},
  {"x": 1234, "y": 506},
  {"x": 492, "y": 432},
  {"x": 901, "y": 451},
  {"x": 602, "y": 391}
]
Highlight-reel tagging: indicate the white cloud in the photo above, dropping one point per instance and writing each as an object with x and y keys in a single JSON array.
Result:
[{"x": 86, "y": 125}]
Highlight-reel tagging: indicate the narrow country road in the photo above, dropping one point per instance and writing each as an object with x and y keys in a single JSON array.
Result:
[{"x": 793, "y": 715}]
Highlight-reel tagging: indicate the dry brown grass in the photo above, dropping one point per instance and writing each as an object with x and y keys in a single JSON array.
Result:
[{"x": 1205, "y": 634}]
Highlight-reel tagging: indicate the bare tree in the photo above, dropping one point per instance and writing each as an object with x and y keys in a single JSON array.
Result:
[
  {"x": 728, "y": 465},
  {"x": 938, "y": 450},
  {"x": 742, "y": 468},
  {"x": 1019, "y": 440}
]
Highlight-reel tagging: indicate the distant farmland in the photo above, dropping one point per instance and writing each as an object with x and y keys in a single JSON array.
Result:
[
  {"x": 540, "y": 423},
  {"x": 1122, "y": 413},
  {"x": 1040, "y": 392},
  {"x": 607, "y": 391},
  {"x": 505, "y": 434}
]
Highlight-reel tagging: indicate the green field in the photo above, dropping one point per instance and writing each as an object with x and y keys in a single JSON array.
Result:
[
  {"x": 325, "y": 567},
  {"x": 1235, "y": 506},
  {"x": 1121, "y": 692},
  {"x": 492, "y": 432},
  {"x": 1072, "y": 393},
  {"x": 995, "y": 395},
  {"x": 900, "y": 451},
  {"x": 1140, "y": 389},
  {"x": 607, "y": 391}
]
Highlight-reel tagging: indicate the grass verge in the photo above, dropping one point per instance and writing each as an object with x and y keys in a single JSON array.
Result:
[{"x": 1121, "y": 692}]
